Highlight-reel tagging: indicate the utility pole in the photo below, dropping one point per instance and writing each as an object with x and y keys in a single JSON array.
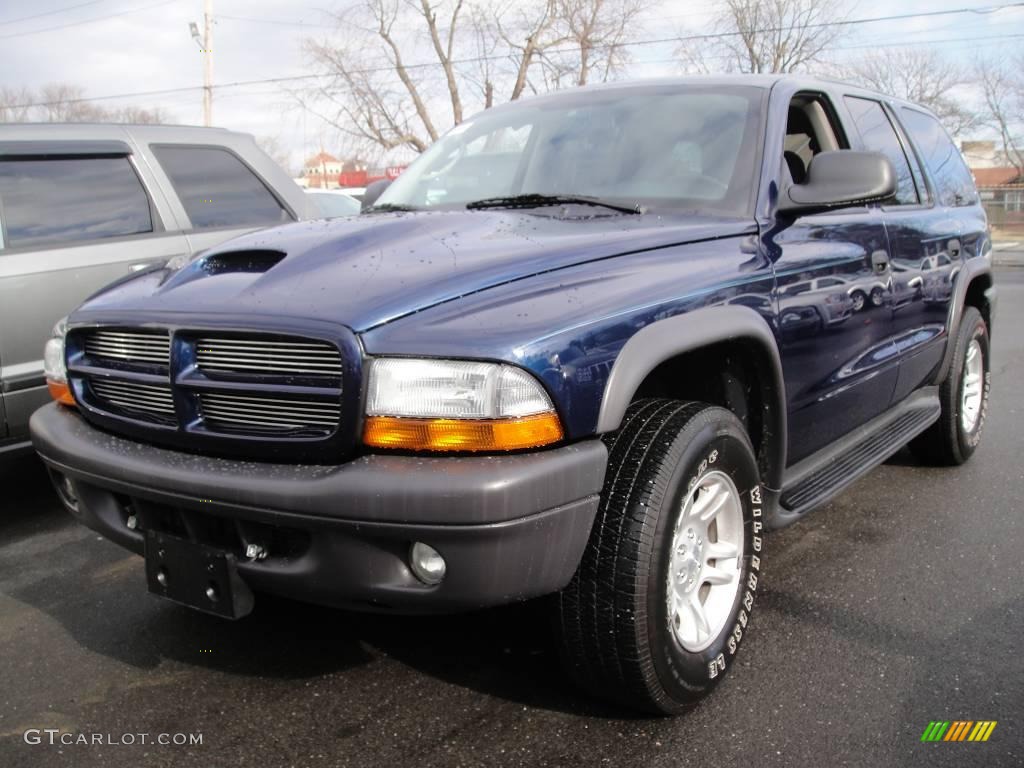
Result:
[{"x": 205, "y": 43}]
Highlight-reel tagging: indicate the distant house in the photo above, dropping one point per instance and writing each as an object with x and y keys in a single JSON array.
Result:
[
  {"x": 321, "y": 171},
  {"x": 1000, "y": 184},
  {"x": 981, "y": 154}
]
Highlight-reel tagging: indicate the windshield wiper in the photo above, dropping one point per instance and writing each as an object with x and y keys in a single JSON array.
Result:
[{"x": 536, "y": 201}]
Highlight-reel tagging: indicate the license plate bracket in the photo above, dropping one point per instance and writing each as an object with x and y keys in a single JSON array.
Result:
[{"x": 196, "y": 575}]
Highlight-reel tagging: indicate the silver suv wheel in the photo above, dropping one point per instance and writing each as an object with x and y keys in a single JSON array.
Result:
[{"x": 704, "y": 569}]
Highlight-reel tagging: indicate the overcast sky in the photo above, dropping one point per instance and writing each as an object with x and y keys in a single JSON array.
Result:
[{"x": 125, "y": 46}]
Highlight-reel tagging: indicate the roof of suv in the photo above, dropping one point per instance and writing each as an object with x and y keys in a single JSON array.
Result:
[{"x": 766, "y": 81}]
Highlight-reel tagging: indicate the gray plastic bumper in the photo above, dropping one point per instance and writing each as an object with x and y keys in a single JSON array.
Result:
[{"x": 509, "y": 527}]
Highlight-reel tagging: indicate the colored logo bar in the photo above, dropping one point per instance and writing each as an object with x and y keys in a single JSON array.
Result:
[{"x": 958, "y": 730}]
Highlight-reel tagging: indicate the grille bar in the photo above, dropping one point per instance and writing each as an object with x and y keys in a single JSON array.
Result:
[
  {"x": 284, "y": 358},
  {"x": 269, "y": 413},
  {"x": 132, "y": 396},
  {"x": 129, "y": 346}
]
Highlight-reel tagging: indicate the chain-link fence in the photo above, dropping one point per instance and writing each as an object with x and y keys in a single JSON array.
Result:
[{"x": 1005, "y": 209}]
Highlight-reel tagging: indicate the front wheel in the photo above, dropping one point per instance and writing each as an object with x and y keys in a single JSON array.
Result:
[{"x": 662, "y": 598}]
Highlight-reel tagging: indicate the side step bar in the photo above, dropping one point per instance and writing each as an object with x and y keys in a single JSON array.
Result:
[{"x": 819, "y": 477}]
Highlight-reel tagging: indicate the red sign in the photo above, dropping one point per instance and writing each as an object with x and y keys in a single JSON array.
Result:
[{"x": 362, "y": 178}]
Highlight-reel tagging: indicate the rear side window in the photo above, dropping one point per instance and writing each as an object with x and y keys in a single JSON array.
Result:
[
  {"x": 954, "y": 183},
  {"x": 61, "y": 201},
  {"x": 217, "y": 189},
  {"x": 878, "y": 134}
]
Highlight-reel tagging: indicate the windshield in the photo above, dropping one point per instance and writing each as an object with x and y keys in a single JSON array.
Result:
[{"x": 653, "y": 146}]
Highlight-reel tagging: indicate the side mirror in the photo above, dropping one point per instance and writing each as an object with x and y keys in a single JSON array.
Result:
[
  {"x": 374, "y": 190},
  {"x": 841, "y": 179}
]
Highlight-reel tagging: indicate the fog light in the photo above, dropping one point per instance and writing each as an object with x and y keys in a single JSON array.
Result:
[{"x": 426, "y": 563}]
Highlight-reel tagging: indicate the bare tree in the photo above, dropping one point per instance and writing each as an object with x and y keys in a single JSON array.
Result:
[
  {"x": 376, "y": 97},
  {"x": 1002, "y": 89},
  {"x": 138, "y": 115},
  {"x": 922, "y": 76},
  {"x": 393, "y": 68},
  {"x": 14, "y": 105},
  {"x": 597, "y": 34},
  {"x": 527, "y": 33},
  {"x": 63, "y": 103},
  {"x": 67, "y": 103},
  {"x": 443, "y": 42},
  {"x": 755, "y": 36}
]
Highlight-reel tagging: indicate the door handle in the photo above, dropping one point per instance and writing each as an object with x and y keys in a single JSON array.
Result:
[
  {"x": 140, "y": 266},
  {"x": 880, "y": 262}
]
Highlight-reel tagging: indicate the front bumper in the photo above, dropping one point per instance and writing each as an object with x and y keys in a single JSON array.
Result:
[{"x": 509, "y": 527}]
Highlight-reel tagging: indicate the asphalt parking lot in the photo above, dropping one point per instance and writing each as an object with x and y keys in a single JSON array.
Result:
[{"x": 900, "y": 603}]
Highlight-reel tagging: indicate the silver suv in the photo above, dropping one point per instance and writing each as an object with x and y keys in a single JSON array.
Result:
[{"x": 84, "y": 205}]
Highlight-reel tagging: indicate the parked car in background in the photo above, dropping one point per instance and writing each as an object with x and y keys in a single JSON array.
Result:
[
  {"x": 84, "y": 205},
  {"x": 824, "y": 300},
  {"x": 865, "y": 291},
  {"x": 332, "y": 203}
]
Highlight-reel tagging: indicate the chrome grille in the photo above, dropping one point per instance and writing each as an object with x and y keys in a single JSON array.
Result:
[
  {"x": 266, "y": 356},
  {"x": 261, "y": 395},
  {"x": 133, "y": 397},
  {"x": 130, "y": 346},
  {"x": 269, "y": 414}
]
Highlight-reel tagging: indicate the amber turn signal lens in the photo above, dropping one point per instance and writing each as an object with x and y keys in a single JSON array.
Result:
[
  {"x": 60, "y": 392},
  {"x": 462, "y": 434}
]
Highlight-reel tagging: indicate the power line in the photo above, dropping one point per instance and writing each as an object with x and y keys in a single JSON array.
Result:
[
  {"x": 854, "y": 22},
  {"x": 275, "y": 22},
  {"x": 49, "y": 13},
  {"x": 911, "y": 43},
  {"x": 86, "y": 21},
  {"x": 498, "y": 57}
]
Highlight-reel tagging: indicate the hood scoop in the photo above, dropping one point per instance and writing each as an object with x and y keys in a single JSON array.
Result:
[{"x": 240, "y": 261}]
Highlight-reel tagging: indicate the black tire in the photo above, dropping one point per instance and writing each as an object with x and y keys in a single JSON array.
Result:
[
  {"x": 947, "y": 442},
  {"x": 860, "y": 300},
  {"x": 613, "y": 618},
  {"x": 877, "y": 297}
]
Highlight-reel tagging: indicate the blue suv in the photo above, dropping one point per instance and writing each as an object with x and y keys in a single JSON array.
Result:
[{"x": 591, "y": 345}]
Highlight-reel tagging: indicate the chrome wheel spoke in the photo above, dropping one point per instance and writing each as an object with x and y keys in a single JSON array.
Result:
[
  {"x": 710, "y": 503},
  {"x": 713, "y": 575},
  {"x": 695, "y": 609},
  {"x": 721, "y": 550}
]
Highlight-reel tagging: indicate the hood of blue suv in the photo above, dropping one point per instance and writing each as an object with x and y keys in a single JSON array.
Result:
[{"x": 368, "y": 270}]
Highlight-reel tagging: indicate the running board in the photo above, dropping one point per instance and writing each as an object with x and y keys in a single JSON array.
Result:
[{"x": 822, "y": 475}]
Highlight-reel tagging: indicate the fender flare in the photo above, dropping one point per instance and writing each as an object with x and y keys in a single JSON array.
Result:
[
  {"x": 971, "y": 270},
  {"x": 665, "y": 339}
]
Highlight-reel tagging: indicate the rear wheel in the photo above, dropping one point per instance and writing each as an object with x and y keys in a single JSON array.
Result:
[
  {"x": 964, "y": 396},
  {"x": 859, "y": 300},
  {"x": 663, "y": 595}
]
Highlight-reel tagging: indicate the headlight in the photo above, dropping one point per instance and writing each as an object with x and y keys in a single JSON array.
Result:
[
  {"x": 53, "y": 365},
  {"x": 454, "y": 405}
]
